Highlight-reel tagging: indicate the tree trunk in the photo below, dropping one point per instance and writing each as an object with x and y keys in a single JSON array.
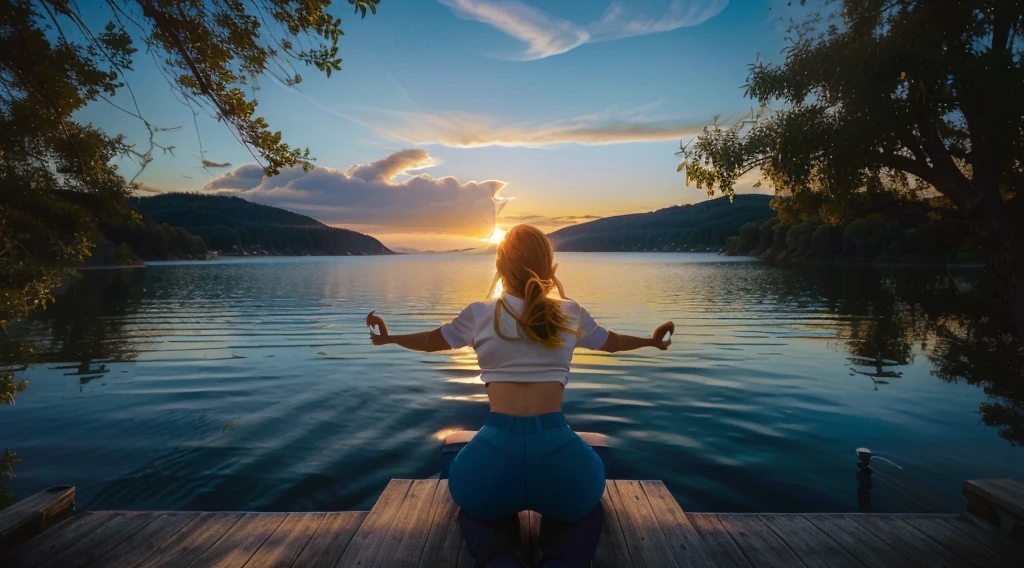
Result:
[{"x": 1002, "y": 242}]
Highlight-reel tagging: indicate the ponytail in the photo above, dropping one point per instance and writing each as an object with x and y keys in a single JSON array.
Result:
[{"x": 541, "y": 318}]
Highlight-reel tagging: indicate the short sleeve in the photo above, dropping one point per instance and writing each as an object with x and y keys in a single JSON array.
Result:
[
  {"x": 590, "y": 335},
  {"x": 461, "y": 331}
]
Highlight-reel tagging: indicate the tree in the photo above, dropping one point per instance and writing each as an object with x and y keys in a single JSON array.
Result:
[
  {"x": 57, "y": 183},
  {"x": 891, "y": 98},
  {"x": 56, "y": 178}
]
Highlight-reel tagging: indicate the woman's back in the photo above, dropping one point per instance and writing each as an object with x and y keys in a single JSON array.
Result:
[{"x": 505, "y": 354}]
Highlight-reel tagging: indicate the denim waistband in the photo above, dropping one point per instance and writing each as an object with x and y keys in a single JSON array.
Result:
[{"x": 526, "y": 424}]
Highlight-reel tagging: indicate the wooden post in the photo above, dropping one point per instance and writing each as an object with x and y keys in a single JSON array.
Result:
[
  {"x": 33, "y": 515},
  {"x": 999, "y": 502}
]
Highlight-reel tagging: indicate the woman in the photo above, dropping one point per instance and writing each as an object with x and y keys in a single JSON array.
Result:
[{"x": 526, "y": 457}]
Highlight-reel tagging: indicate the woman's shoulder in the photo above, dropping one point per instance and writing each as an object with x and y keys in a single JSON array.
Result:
[
  {"x": 570, "y": 305},
  {"x": 480, "y": 307}
]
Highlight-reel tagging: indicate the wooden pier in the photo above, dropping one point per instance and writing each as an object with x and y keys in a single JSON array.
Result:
[{"x": 413, "y": 524}]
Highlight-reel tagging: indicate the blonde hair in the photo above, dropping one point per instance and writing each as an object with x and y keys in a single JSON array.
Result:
[{"x": 526, "y": 266}]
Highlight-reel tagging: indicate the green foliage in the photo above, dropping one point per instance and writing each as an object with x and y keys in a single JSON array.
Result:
[
  {"x": 7, "y": 461},
  {"x": 733, "y": 247},
  {"x": 750, "y": 237},
  {"x": 53, "y": 63},
  {"x": 823, "y": 241},
  {"x": 214, "y": 53},
  {"x": 889, "y": 101},
  {"x": 779, "y": 232},
  {"x": 907, "y": 233},
  {"x": 857, "y": 242}
]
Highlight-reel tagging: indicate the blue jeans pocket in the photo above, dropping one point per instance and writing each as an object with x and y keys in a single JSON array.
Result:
[
  {"x": 573, "y": 483},
  {"x": 475, "y": 473}
]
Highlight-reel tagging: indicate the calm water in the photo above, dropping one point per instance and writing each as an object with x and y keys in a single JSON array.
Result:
[{"x": 250, "y": 384}]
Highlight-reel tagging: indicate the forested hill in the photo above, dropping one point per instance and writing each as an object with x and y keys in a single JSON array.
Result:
[
  {"x": 232, "y": 225},
  {"x": 702, "y": 226}
]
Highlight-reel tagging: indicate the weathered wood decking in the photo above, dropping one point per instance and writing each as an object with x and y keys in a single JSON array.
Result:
[{"x": 413, "y": 524}]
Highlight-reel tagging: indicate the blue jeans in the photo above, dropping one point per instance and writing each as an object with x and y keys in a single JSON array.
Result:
[{"x": 518, "y": 463}]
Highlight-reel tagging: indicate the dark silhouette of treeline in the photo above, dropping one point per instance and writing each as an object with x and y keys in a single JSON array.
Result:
[
  {"x": 699, "y": 227},
  {"x": 235, "y": 226},
  {"x": 131, "y": 243},
  {"x": 901, "y": 232}
]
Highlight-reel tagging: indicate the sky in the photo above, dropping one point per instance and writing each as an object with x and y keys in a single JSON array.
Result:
[{"x": 452, "y": 117}]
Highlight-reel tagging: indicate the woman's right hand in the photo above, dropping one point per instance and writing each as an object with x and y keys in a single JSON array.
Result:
[
  {"x": 659, "y": 335},
  {"x": 374, "y": 320}
]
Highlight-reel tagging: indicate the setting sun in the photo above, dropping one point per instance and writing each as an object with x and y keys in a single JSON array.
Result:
[{"x": 497, "y": 236}]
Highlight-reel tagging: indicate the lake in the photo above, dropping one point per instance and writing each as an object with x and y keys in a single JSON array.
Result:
[{"x": 251, "y": 384}]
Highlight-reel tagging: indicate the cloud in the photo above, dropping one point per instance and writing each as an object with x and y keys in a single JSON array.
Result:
[
  {"x": 459, "y": 129},
  {"x": 618, "y": 22},
  {"x": 375, "y": 195},
  {"x": 543, "y": 34},
  {"x": 546, "y": 35},
  {"x": 546, "y": 223}
]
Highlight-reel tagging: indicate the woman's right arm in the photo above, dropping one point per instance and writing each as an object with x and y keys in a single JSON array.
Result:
[{"x": 458, "y": 333}]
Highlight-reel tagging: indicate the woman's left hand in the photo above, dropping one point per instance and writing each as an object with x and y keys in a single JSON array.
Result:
[
  {"x": 661, "y": 335},
  {"x": 374, "y": 320}
]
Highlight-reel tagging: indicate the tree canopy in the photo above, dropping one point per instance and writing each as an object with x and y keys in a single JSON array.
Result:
[
  {"x": 55, "y": 60},
  {"x": 890, "y": 98}
]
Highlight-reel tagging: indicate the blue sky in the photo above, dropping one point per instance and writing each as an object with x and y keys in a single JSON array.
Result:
[{"x": 578, "y": 106}]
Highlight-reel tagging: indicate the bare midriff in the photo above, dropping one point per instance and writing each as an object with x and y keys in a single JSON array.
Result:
[{"x": 525, "y": 399}]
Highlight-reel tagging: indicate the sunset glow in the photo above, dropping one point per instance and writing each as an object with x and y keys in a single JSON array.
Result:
[
  {"x": 497, "y": 236},
  {"x": 409, "y": 154}
]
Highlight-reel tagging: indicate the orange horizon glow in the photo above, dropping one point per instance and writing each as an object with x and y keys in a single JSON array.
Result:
[{"x": 497, "y": 236}]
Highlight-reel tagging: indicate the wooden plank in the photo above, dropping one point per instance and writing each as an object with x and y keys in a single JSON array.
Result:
[
  {"x": 404, "y": 542},
  {"x": 909, "y": 542},
  {"x": 963, "y": 547},
  {"x": 58, "y": 539},
  {"x": 987, "y": 537},
  {"x": 720, "y": 545},
  {"x": 858, "y": 541},
  {"x": 91, "y": 547},
  {"x": 241, "y": 541},
  {"x": 760, "y": 545},
  {"x": 192, "y": 541},
  {"x": 438, "y": 549},
  {"x": 611, "y": 549},
  {"x": 146, "y": 541},
  {"x": 646, "y": 543},
  {"x": 815, "y": 548},
  {"x": 331, "y": 539},
  {"x": 1003, "y": 493},
  {"x": 34, "y": 514},
  {"x": 366, "y": 543},
  {"x": 287, "y": 541},
  {"x": 452, "y": 547},
  {"x": 685, "y": 544}
]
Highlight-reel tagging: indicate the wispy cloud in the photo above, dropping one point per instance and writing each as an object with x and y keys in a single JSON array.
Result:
[
  {"x": 546, "y": 223},
  {"x": 546, "y": 35},
  {"x": 375, "y": 194},
  {"x": 459, "y": 129},
  {"x": 543, "y": 34}
]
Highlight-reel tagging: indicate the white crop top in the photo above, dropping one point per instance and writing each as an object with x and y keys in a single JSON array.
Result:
[{"x": 520, "y": 360}]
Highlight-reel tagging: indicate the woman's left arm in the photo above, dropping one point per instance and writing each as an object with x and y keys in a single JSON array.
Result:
[
  {"x": 621, "y": 342},
  {"x": 428, "y": 341}
]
